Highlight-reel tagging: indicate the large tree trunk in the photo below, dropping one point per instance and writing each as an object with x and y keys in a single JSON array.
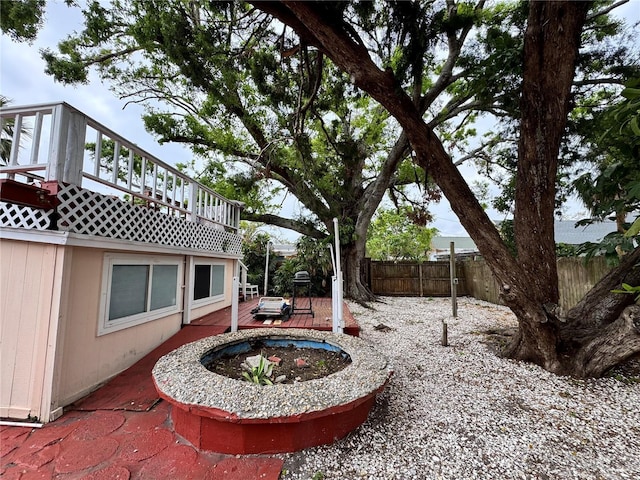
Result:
[
  {"x": 589, "y": 341},
  {"x": 551, "y": 44},
  {"x": 352, "y": 256},
  {"x": 353, "y": 247}
]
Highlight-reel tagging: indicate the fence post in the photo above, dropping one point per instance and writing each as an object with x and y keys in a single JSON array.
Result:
[
  {"x": 445, "y": 340},
  {"x": 454, "y": 280}
]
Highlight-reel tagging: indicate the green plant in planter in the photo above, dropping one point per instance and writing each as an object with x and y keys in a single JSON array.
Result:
[{"x": 258, "y": 373}]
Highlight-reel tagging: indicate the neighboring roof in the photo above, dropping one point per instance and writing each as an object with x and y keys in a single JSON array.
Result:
[
  {"x": 460, "y": 243},
  {"x": 567, "y": 232}
]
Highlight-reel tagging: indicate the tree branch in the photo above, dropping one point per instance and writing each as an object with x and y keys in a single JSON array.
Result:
[
  {"x": 355, "y": 60},
  {"x": 606, "y": 10},
  {"x": 109, "y": 56},
  {"x": 446, "y": 76},
  {"x": 598, "y": 81},
  {"x": 304, "y": 228}
]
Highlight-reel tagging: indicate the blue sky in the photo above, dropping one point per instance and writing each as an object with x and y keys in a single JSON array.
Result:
[{"x": 22, "y": 79}]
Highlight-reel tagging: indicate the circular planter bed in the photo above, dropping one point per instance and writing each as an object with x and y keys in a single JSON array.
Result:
[
  {"x": 288, "y": 360},
  {"x": 232, "y": 416}
]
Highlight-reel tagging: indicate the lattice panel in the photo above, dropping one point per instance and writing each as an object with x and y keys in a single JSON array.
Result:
[
  {"x": 89, "y": 213},
  {"x": 207, "y": 238},
  {"x": 19, "y": 216}
]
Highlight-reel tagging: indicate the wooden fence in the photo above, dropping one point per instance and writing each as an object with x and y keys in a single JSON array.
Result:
[
  {"x": 414, "y": 279},
  {"x": 575, "y": 278}
]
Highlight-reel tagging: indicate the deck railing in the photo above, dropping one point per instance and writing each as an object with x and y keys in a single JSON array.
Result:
[{"x": 57, "y": 143}]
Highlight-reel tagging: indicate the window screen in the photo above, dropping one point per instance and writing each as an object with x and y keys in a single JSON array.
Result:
[
  {"x": 164, "y": 285},
  {"x": 217, "y": 280},
  {"x": 137, "y": 289},
  {"x": 129, "y": 287}
]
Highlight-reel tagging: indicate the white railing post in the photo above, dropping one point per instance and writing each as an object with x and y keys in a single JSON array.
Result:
[
  {"x": 76, "y": 140},
  {"x": 235, "y": 300},
  {"x": 15, "y": 141},
  {"x": 237, "y": 210},
  {"x": 66, "y": 151},
  {"x": 192, "y": 208},
  {"x": 55, "y": 162},
  {"x": 337, "y": 293},
  {"x": 187, "y": 295}
]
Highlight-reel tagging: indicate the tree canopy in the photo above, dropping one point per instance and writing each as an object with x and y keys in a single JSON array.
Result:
[
  {"x": 394, "y": 235},
  {"x": 287, "y": 90},
  {"x": 21, "y": 19},
  {"x": 610, "y": 184}
]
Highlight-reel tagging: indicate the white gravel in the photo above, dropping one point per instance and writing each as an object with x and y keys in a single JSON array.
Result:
[{"x": 461, "y": 412}]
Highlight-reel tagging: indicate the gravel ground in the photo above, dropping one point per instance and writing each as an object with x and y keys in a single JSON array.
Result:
[{"x": 460, "y": 412}]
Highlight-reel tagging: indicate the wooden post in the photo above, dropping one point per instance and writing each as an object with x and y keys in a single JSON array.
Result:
[
  {"x": 445, "y": 340},
  {"x": 454, "y": 305},
  {"x": 420, "y": 278},
  {"x": 454, "y": 280}
]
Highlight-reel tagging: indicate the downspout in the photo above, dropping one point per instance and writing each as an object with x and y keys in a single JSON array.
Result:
[
  {"x": 235, "y": 295},
  {"x": 187, "y": 299}
]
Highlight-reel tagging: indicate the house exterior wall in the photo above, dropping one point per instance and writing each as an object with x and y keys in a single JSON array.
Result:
[
  {"x": 55, "y": 353},
  {"x": 88, "y": 359},
  {"x": 30, "y": 285}
]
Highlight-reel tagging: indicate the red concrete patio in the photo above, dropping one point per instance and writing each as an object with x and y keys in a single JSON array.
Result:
[{"x": 123, "y": 430}]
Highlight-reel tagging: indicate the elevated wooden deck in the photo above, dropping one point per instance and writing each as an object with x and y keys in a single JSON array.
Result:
[{"x": 321, "y": 320}]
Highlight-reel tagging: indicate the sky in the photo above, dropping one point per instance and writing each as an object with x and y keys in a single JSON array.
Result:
[{"x": 22, "y": 79}]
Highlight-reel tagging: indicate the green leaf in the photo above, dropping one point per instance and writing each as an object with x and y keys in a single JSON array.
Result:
[
  {"x": 634, "y": 126},
  {"x": 631, "y": 93},
  {"x": 634, "y": 229}
]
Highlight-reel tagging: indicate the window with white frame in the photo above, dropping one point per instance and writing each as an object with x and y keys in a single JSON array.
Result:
[
  {"x": 208, "y": 281},
  {"x": 137, "y": 289}
]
